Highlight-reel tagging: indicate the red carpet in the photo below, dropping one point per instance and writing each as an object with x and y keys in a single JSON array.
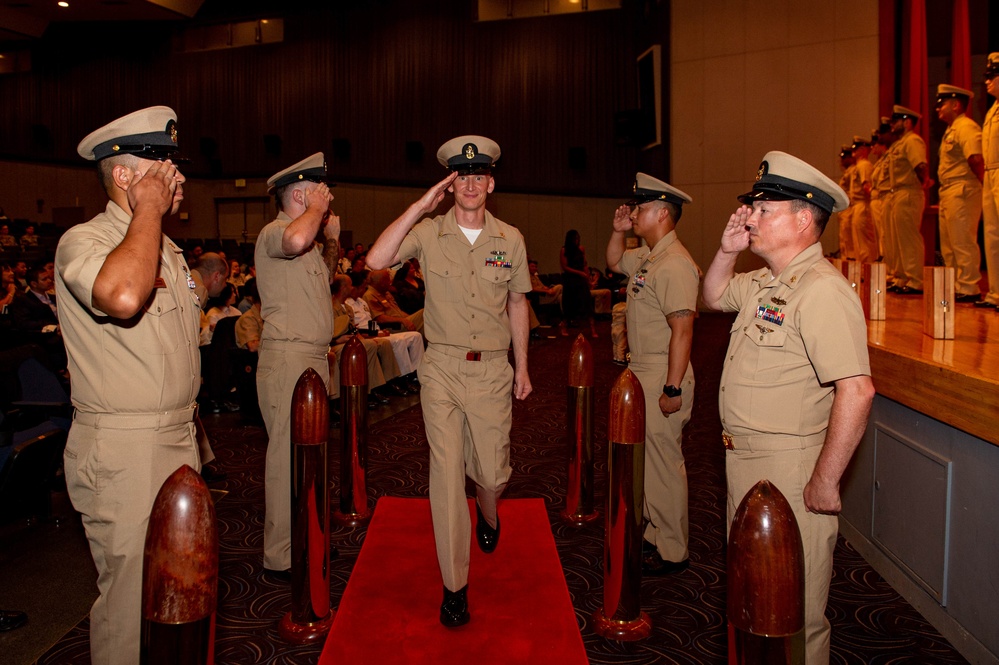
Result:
[{"x": 520, "y": 606}]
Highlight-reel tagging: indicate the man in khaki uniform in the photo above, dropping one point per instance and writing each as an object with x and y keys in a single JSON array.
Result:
[
  {"x": 130, "y": 323},
  {"x": 990, "y": 189},
  {"x": 908, "y": 178},
  {"x": 865, "y": 238},
  {"x": 881, "y": 140},
  {"x": 476, "y": 274},
  {"x": 960, "y": 173},
  {"x": 845, "y": 217},
  {"x": 662, "y": 301},
  {"x": 796, "y": 387},
  {"x": 293, "y": 278},
  {"x": 384, "y": 308}
]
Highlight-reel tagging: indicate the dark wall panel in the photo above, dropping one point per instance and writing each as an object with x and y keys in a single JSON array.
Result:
[{"x": 375, "y": 75}]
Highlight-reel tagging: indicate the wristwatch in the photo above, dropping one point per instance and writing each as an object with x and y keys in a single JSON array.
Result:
[{"x": 672, "y": 391}]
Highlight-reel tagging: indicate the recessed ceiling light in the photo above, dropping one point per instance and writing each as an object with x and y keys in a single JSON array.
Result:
[{"x": 63, "y": 4}]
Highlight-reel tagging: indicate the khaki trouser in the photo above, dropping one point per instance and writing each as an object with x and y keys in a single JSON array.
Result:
[
  {"x": 905, "y": 216},
  {"x": 280, "y": 366},
  {"x": 990, "y": 211},
  {"x": 846, "y": 249},
  {"x": 865, "y": 236},
  {"x": 467, "y": 407},
  {"x": 114, "y": 467},
  {"x": 789, "y": 470},
  {"x": 960, "y": 210},
  {"x": 665, "y": 505}
]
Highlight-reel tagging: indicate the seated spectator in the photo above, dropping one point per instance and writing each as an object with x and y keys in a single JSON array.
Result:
[
  {"x": 29, "y": 239},
  {"x": 382, "y": 364},
  {"x": 548, "y": 294},
  {"x": 408, "y": 346},
  {"x": 347, "y": 256},
  {"x": 248, "y": 294},
  {"x": 8, "y": 287},
  {"x": 601, "y": 295},
  {"x": 35, "y": 310},
  {"x": 236, "y": 276},
  {"x": 251, "y": 324},
  {"x": 222, "y": 305},
  {"x": 410, "y": 291},
  {"x": 21, "y": 275},
  {"x": 6, "y": 239},
  {"x": 384, "y": 308}
]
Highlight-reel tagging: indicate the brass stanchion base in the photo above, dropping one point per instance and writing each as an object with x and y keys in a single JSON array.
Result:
[
  {"x": 576, "y": 519},
  {"x": 623, "y": 631},
  {"x": 304, "y": 633},
  {"x": 351, "y": 519}
]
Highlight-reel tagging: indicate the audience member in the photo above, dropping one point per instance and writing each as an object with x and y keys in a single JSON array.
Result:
[
  {"x": 6, "y": 239},
  {"x": 29, "y": 239},
  {"x": 384, "y": 308},
  {"x": 577, "y": 303},
  {"x": 410, "y": 291}
]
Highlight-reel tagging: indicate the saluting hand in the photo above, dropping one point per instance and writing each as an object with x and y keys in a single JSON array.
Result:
[
  {"x": 622, "y": 218},
  {"x": 319, "y": 197},
  {"x": 735, "y": 237},
  {"x": 435, "y": 194},
  {"x": 332, "y": 228},
  {"x": 155, "y": 188}
]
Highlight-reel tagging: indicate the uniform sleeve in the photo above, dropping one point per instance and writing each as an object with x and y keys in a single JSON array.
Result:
[
  {"x": 80, "y": 256},
  {"x": 270, "y": 239},
  {"x": 629, "y": 262},
  {"x": 520, "y": 279},
  {"x": 970, "y": 138},
  {"x": 865, "y": 172},
  {"x": 246, "y": 331},
  {"x": 833, "y": 330},
  {"x": 915, "y": 151},
  {"x": 736, "y": 292},
  {"x": 412, "y": 244},
  {"x": 676, "y": 287}
]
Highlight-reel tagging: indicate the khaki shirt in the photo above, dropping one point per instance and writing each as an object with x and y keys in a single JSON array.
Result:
[
  {"x": 962, "y": 139},
  {"x": 249, "y": 327},
  {"x": 794, "y": 336},
  {"x": 990, "y": 137},
  {"x": 880, "y": 182},
  {"x": 862, "y": 172},
  {"x": 468, "y": 285},
  {"x": 147, "y": 364},
  {"x": 903, "y": 157},
  {"x": 294, "y": 289},
  {"x": 661, "y": 280},
  {"x": 383, "y": 304}
]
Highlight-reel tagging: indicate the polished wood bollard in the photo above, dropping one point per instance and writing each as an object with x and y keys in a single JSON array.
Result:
[
  {"x": 180, "y": 571},
  {"x": 766, "y": 581},
  {"x": 579, "y": 426},
  {"x": 621, "y": 616},
  {"x": 354, "y": 510},
  {"x": 310, "y": 617}
]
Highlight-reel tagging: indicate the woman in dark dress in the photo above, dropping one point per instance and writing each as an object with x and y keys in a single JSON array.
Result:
[{"x": 577, "y": 303}]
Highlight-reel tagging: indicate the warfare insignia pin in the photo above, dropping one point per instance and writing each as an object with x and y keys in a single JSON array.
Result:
[{"x": 778, "y": 301}]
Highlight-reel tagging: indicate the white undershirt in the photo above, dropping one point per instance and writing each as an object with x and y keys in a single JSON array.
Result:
[{"x": 471, "y": 234}]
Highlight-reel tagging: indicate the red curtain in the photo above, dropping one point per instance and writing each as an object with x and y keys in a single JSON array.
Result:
[
  {"x": 914, "y": 68},
  {"x": 960, "y": 54}
]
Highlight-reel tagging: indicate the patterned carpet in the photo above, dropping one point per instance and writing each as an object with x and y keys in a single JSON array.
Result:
[{"x": 871, "y": 623}]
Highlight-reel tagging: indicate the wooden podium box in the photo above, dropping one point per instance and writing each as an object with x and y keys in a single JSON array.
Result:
[
  {"x": 852, "y": 272},
  {"x": 938, "y": 302},
  {"x": 872, "y": 291}
]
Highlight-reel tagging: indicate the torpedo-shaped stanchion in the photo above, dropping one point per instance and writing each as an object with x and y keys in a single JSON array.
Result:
[
  {"x": 579, "y": 427},
  {"x": 310, "y": 617},
  {"x": 353, "y": 509},
  {"x": 766, "y": 581},
  {"x": 180, "y": 570},
  {"x": 621, "y": 616}
]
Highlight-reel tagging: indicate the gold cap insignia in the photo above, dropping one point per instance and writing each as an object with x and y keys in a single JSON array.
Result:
[
  {"x": 172, "y": 131},
  {"x": 469, "y": 151},
  {"x": 762, "y": 171}
]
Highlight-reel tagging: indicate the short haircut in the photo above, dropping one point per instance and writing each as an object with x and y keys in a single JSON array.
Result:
[
  {"x": 282, "y": 195},
  {"x": 34, "y": 273},
  {"x": 210, "y": 262},
  {"x": 340, "y": 284},
  {"x": 105, "y": 169},
  {"x": 674, "y": 210},
  {"x": 357, "y": 278},
  {"x": 819, "y": 216}
]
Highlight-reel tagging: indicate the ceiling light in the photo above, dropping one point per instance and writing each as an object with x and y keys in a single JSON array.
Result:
[{"x": 63, "y": 4}]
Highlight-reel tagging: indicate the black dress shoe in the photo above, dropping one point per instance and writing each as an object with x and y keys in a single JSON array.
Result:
[
  {"x": 454, "y": 608},
  {"x": 967, "y": 297},
  {"x": 211, "y": 474},
  {"x": 908, "y": 291},
  {"x": 654, "y": 565},
  {"x": 487, "y": 536},
  {"x": 392, "y": 390},
  {"x": 11, "y": 619},
  {"x": 985, "y": 304},
  {"x": 278, "y": 575}
]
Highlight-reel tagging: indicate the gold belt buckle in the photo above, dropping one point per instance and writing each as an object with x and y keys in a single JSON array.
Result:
[{"x": 727, "y": 439}]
